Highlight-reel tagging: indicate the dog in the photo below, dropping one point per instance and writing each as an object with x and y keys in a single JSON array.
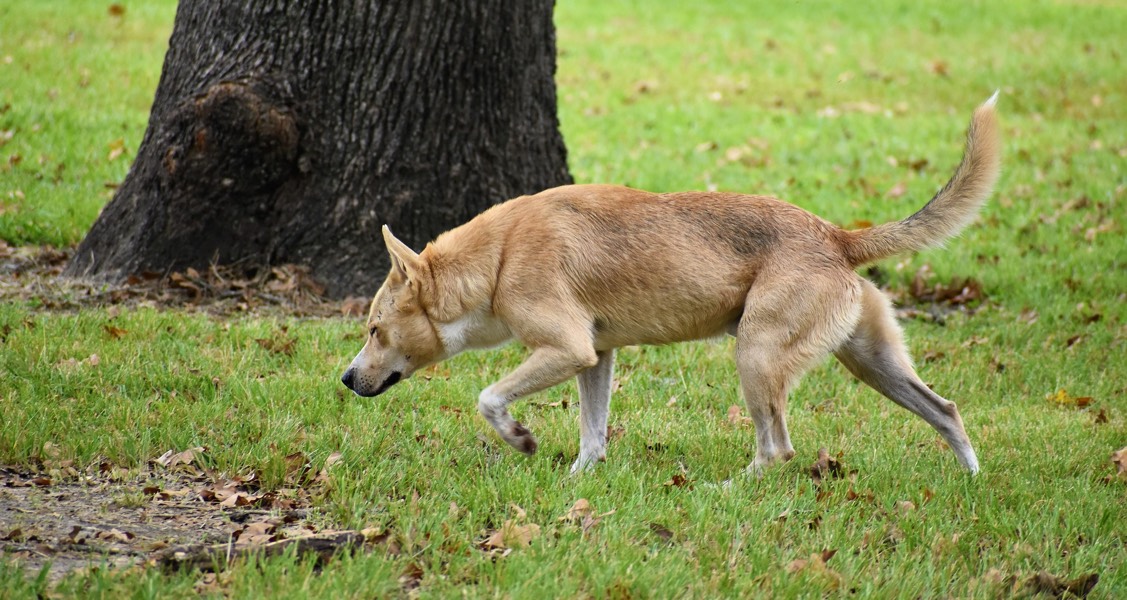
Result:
[{"x": 577, "y": 271}]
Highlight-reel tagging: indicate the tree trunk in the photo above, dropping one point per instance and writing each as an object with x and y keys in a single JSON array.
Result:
[{"x": 288, "y": 131}]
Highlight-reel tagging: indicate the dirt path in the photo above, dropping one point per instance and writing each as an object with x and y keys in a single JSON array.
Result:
[{"x": 110, "y": 520}]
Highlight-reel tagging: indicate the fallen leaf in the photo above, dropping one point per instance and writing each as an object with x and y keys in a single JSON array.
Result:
[
  {"x": 678, "y": 480},
  {"x": 1101, "y": 417},
  {"x": 354, "y": 306},
  {"x": 115, "y": 535},
  {"x": 735, "y": 416},
  {"x": 333, "y": 459},
  {"x": 115, "y": 332},
  {"x": 1044, "y": 583},
  {"x": 172, "y": 459},
  {"x": 258, "y": 528},
  {"x": 816, "y": 565},
  {"x": 298, "y": 467},
  {"x": 411, "y": 578},
  {"x": 582, "y": 508},
  {"x": 661, "y": 531},
  {"x": 1119, "y": 459},
  {"x": 1028, "y": 316},
  {"x": 511, "y": 535},
  {"x": 278, "y": 346},
  {"x": 897, "y": 191},
  {"x": 826, "y": 467},
  {"x": 1062, "y": 398},
  {"x": 117, "y": 148},
  {"x": 116, "y": 10}
]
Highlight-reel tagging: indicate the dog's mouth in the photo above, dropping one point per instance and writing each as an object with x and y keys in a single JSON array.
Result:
[{"x": 390, "y": 381}]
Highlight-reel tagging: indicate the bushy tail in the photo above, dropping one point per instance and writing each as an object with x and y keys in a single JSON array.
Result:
[{"x": 950, "y": 210}]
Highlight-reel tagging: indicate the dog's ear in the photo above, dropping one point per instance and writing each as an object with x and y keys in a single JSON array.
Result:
[{"x": 403, "y": 258}]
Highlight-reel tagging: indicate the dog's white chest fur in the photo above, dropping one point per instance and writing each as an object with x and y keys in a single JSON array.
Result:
[{"x": 475, "y": 329}]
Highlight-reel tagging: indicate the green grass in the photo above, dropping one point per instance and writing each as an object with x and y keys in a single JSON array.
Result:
[{"x": 646, "y": 91}]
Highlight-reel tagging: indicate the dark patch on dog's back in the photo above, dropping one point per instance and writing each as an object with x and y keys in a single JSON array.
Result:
[
  {"x": 740, "y": 222},
  {"x": 743, "y": 223}
]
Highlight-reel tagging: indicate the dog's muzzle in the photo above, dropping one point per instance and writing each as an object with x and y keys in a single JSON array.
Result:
[
  {"x": 390, "y": 381},
  {"x": 349, "y": 379}
]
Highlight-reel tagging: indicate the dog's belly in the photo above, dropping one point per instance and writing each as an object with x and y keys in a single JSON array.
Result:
[{"x": 663, "y": 327}]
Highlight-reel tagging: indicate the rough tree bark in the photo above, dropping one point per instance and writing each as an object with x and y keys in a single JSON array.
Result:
[{"x": 288, "y": 131}]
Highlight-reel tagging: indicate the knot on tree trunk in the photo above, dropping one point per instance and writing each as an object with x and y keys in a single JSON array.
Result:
[{"x": 236, "y": 138}]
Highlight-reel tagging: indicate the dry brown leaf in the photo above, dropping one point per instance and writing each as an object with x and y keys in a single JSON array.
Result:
[
  {"x": 1062, "y": 398},
  {"x": 117, "y": 148},
  {"x": 258, "y": 528},
  {"x": 661, "y": 531},
  {"x": 735, "y": 416},
  {"x": 679, "y": 480},
  {"x": 411, "y": 578},
  {"x": 1119, "y": 459},
  {"x": 354, "y": 306},
  {"x": 172, "y": 459},
  {"x": 816, "y": 565},
  {"x": 116, "y": 10},
  {"x": 1045, "y": 583},
  {"x": 511, "y": 535},
  {"x": 115, "y": 535},
  {"x": 582, "y": 508},
  {"x": 278, "y": 345},
  {"x": 826, "y": 467},
  {"x": 298, "y": 467},
  {"x": 115, "y": 332},
  {"x": 897, "y": 191}
]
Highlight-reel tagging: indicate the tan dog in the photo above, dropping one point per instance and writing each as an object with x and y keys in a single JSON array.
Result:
[{"x": 577, "y": 271}]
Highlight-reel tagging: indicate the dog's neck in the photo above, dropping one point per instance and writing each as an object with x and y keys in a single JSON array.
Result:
[{"x": 462, "y": 282}]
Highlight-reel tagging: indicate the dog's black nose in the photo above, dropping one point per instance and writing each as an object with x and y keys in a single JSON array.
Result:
[{"x": 348, "y": 377}]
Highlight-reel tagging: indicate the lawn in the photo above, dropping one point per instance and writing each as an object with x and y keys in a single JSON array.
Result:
[{"x": 855, "y": 112}]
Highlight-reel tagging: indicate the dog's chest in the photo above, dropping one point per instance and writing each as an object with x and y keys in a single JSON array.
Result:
[{"x": 476, "y": 329}]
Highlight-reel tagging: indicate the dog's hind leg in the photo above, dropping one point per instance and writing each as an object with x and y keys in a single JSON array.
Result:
[
  {"x": 876, "y": 354},
  {"x": 594, "y": 406},
  {"x": 788, "y": 324}
]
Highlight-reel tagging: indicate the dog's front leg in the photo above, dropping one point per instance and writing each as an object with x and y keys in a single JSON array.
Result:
[
  {"x": 547, "y": 366},
  {"x": 594, "y": 406}
]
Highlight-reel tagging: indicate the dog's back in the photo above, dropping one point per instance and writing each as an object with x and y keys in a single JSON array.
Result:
[{"x": 648, "y": 268}]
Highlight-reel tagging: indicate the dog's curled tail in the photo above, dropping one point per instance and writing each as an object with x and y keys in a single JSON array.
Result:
[{"x": 951, "y": 209}]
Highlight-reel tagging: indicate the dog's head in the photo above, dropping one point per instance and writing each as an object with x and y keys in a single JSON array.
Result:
[{"x": 401, "y": 337}]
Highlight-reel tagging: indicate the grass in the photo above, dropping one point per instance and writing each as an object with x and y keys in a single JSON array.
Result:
[{"x": 825, "y": 104}]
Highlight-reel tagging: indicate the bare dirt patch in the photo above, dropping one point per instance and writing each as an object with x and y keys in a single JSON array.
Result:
[
  {"x": 153, "y": 517},
  {"x": 32, "y": 274}
]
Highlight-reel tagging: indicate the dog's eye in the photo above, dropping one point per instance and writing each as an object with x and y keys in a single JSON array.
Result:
[{"x": 372, "y": 331}]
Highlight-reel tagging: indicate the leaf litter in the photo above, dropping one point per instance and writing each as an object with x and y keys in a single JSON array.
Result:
[
  {"x": 33, "y": 274},
  {"x": 173, "y": 513}
]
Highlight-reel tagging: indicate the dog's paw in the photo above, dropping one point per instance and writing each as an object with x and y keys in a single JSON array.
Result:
[
  {"x": 521, "y": 438},
  {"x": 586, "y": 463}
]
